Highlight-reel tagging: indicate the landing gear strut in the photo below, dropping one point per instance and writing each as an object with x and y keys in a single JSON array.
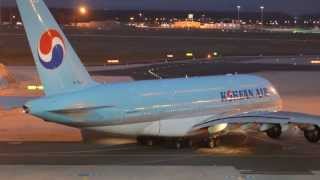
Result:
[{"x": 213, "y": 142}]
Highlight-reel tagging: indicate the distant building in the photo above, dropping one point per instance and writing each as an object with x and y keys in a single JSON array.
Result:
[
  {"x": 198, "y": 25},
  {"x": 98, "y": 24},
  {"x": 186, "y": 24},
  {"x": 221, "y": 26}
]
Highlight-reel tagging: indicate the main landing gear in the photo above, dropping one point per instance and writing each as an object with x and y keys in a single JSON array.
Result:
[
  {"x": 274, "y": 132},
  {"x": 179, "y": 143},
  {"x": 213, "y": 142},
  {"x": 312, "y": 135}
]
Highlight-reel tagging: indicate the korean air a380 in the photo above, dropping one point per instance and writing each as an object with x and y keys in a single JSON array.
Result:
[{"x": 176, "y": 109}]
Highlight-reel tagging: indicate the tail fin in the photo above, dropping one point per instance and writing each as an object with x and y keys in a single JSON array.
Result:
[{"x": 59, "y": 67}]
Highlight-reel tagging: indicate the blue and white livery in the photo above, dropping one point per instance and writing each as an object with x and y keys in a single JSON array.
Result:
[
  {"x": 175, "y": 108},
  {"x": 51, "y": 49}
]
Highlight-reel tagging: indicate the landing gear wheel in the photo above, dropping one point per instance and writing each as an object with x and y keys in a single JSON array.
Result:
[
  {"x": 274, "y": 132},
  {"x": 312, "y": 136}
]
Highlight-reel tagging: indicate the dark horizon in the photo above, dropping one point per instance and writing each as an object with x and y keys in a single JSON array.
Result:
[{"x": 292, "y": 7}]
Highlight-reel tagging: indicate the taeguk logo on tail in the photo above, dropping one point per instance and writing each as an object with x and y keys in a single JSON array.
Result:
[{"x": 51, "y": 49}]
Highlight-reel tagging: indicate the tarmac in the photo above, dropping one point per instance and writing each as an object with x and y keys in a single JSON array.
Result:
[
  {"x": 31, "y": 148},
  {"x": 240, "y": 156}
]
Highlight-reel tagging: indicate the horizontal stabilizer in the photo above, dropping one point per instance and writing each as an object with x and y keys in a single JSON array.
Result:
[{"x": 11, "y": 102}]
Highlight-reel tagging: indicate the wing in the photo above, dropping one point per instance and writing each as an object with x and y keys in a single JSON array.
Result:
[
  {"x": 262, "y": 117},
  {"x": 10, "y": 102}
]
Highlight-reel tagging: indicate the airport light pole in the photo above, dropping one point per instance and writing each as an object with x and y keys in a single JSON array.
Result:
[
  {"x": 83, "y": 10},
  {"x": 238, "y": 10},
  {"x": 262, "y": 15}
]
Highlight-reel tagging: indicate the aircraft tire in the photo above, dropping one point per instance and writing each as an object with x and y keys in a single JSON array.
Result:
[
  {"x": 274, "y": 132},
  {"x": 313, "y": 136}
]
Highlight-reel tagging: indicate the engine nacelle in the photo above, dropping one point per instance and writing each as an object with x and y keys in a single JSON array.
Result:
[{"x": 217, "y": 128}]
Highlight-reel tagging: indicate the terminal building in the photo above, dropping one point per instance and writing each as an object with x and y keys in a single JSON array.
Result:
[
  {"x": 198, "y": 25},
  {"x": 103, "y": 25}
]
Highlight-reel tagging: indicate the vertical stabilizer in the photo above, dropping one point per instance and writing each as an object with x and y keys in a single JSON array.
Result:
[{"x": 58, "y": 65}]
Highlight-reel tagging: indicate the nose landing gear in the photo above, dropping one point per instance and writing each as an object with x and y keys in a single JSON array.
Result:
[{"x": 212, "y": 142}]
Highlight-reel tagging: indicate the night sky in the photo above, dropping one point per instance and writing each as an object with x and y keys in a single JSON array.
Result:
[{"x": 289, "y": 6}]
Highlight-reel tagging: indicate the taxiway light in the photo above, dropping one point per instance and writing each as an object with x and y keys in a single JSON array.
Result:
[
  {"x": 315, "y": 62},
  {"x": 189, "y": 54},
  {"x": 170, "y": 56},
  {"x": 113, "y": 61},
  {"x": 32, "y": 88},
  {"x": 35, "y": 88}
]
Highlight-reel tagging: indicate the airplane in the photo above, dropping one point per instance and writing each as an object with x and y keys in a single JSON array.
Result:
[{"x": 173, "y": 109}]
